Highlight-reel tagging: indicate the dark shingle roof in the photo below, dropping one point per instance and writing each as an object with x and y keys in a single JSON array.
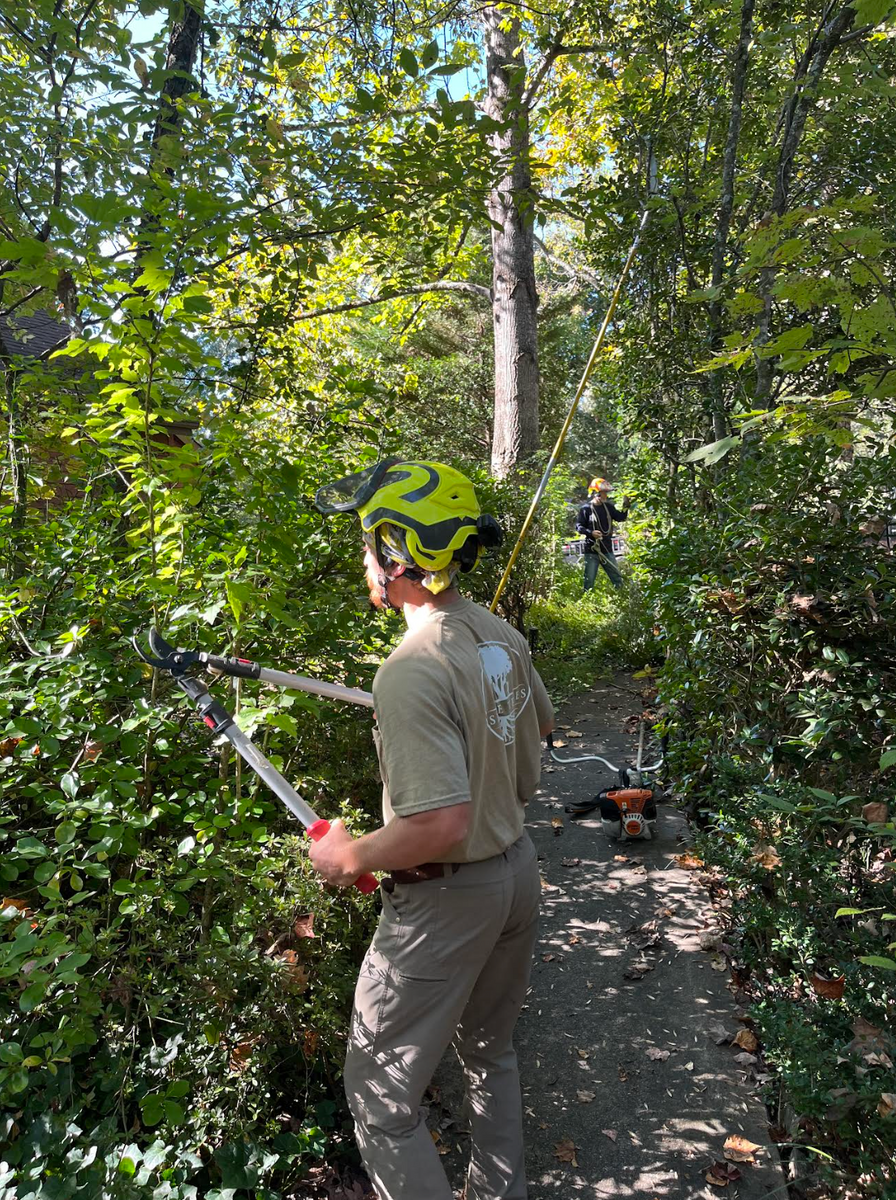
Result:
[{"x": 32, "y": 337}]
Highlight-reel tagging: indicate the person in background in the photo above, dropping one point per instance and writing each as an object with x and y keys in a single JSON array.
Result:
[{"x": 595, "y": 523}]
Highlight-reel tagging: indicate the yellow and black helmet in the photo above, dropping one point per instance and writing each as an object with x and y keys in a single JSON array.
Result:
[{"x": 418, "y": 514}]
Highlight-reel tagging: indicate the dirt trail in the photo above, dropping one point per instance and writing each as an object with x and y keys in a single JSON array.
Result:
[{"x": 640, "y": 1126}]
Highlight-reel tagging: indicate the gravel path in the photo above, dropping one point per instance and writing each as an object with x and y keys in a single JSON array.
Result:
[{"x": 627, "y": 1092}]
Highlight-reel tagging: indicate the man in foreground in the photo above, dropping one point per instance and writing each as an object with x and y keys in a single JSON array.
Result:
[
  {"x": 595, "y": 523},
  {"x": 460, "y": 712}
]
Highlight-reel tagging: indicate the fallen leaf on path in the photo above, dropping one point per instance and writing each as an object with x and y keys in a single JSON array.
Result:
[
  {"x": 719, "y": 1034},
  {"x": 559, "y": 743},
  {"x": 744, "y": 1059},
  {"x": 574, "y": 733},
  {"x": 887, "y": 1105},
  {"x": 565, "y": 1151},
  {"x": 620, "y": 858},
  {"x": 689, "y": 1066},
  {"x": 829, "y": 989},
  {"x": 573, "y": 939},
  {"x": 747, "y": 1040},
  {"x": 623, "y": 1074},
  {"x": 710, "y": 939},
  {"x": 584, "y": 1097},
  {"x": 557, "y": 825},
  {"x": 688, "y": 862},
  {"x": 612, "y": 1134},
  {"x": 718, "y": 963},
  {"x": 583, "y": 1053},
  {"x": 548, "y": 887},
  {"x": 570, "y": 862},
  {"x": 658, "y": 1055},
  {"x": 637, "y": 970},
  {"x": 720, "y": 1174},
  {"x": 739, "y": 1149},
  {"x": 551, "y": 958}
]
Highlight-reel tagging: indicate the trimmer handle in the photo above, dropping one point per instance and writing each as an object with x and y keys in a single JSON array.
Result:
[{"x": 364, "y": 883}]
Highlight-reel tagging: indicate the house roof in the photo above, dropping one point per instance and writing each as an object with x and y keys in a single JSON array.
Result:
[{"x": 34, "y": 336}]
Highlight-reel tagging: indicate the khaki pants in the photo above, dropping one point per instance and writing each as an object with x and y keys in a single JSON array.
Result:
[{"x": 450, "y": 959}]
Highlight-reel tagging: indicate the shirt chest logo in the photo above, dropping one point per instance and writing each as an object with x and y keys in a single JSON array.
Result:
[{"x": 504, "y": 697}]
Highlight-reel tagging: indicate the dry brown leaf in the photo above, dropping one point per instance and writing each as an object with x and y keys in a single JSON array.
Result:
[
  {"x": 623, "y": 1074},
  {"x": 744, "y": 1059},
  {"x": 658, "y": 1055},
  {"x": 718, "y": 963},
  {"x": 565, "y": 1151},
  {"x": 747, "y": 1040},
  {"x": 574, "y": 733},
  {"x": 240, "y": 1056},
  {"x": 557, "y": 825},
  {"x": 612, "y": 1134},
  {"x": 710, "y": 939},
  {"x": 637, "y": 970},
  {"x": 583, "y": 1053},
  {"x": 296, "y": 973},
  {"x": 876, "y": 813},
  {"x": 887, "y": 1105},
  {"x": 620, "y": 858},
  {"x": 310, "y": 1042},
  {"x": 18, "y": 905},
  {"x": 585, "y": 1097},
  {"x": 688, "y": 862},
  {"x": 559, "y": 743},
  {"x": 767, "y": 856},
  {"x": 303, "y": 926},
  {"x": 867, "y": 1038},
  {"x": 830, "y": 989},
  {"x": 740, "y": 1149},
  {"x": 719, "y": 1034},
  {"x": 720, "y": 1174},
  {"x": 573, "y": 939},
  {"x": 570, "y": 862},
  {"x": 551, "y": 958}
]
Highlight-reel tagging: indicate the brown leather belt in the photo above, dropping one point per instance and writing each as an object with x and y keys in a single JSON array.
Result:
[{"x": 419, "y": 874}]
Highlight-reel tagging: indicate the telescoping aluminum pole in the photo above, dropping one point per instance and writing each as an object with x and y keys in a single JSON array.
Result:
[
  {"x": 165, "y": 656},
  {"x": 219, "y": 720}
]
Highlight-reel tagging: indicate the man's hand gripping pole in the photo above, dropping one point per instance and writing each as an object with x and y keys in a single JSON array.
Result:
[{"x": 219, "y": 720}]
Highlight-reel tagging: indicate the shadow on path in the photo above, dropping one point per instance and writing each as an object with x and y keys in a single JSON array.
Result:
[{"x": 640, "y": 1126}]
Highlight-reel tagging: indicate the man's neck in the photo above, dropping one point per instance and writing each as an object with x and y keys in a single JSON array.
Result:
[{"x": 418, "y": 613}]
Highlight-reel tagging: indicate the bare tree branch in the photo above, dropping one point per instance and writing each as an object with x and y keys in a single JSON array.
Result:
[
  {"x": 445, "y": 285},
  {"x": 538, "y": 75},
  {"x": 578, "y": 273}
]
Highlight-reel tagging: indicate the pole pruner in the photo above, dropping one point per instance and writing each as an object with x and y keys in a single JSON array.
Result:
[{"x": 164, "y": 657}]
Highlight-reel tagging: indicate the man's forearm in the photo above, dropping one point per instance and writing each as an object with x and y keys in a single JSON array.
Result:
[{"x": 409, "y": 841}]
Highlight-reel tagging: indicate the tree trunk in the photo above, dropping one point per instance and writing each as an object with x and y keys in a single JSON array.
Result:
[
  {"x": 511, "y": 210},
  {"x": 183, "y": 45},
  {"x": 726, "y": 207},
  {"x": 797, "y": 111}
]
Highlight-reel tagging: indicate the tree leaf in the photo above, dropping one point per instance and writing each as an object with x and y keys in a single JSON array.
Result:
[{"x": 714, "y": 451}]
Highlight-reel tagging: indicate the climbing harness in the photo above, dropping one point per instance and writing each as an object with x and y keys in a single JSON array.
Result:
[
  {"x": 628, "y": 810},
  {"x": 177, "y": 662},
  {"x": 573, "y": 408}
]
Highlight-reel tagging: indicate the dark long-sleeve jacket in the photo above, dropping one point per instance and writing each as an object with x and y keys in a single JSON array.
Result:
[{"x": 600, "y": 519}]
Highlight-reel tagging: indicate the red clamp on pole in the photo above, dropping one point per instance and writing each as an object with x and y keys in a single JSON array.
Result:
[{"x": 364, "y": 883}]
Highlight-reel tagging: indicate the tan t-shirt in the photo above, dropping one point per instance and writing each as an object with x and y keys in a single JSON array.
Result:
[{"x": 458, "y": 707}]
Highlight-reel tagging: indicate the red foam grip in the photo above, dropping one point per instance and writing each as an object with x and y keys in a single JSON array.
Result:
[{"x": 364, "y": 883}]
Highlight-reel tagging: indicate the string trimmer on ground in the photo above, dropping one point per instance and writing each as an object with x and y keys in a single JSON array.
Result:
[
  {"x": 164, "y": 657},
  {"x": 627, "y": 810}
]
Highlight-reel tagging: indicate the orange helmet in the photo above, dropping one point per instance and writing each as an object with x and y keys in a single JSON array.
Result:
[{"x": 598, "y": 485}]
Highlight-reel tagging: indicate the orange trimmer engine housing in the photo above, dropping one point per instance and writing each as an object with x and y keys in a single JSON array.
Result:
[{"x": 631, "y": 810}]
